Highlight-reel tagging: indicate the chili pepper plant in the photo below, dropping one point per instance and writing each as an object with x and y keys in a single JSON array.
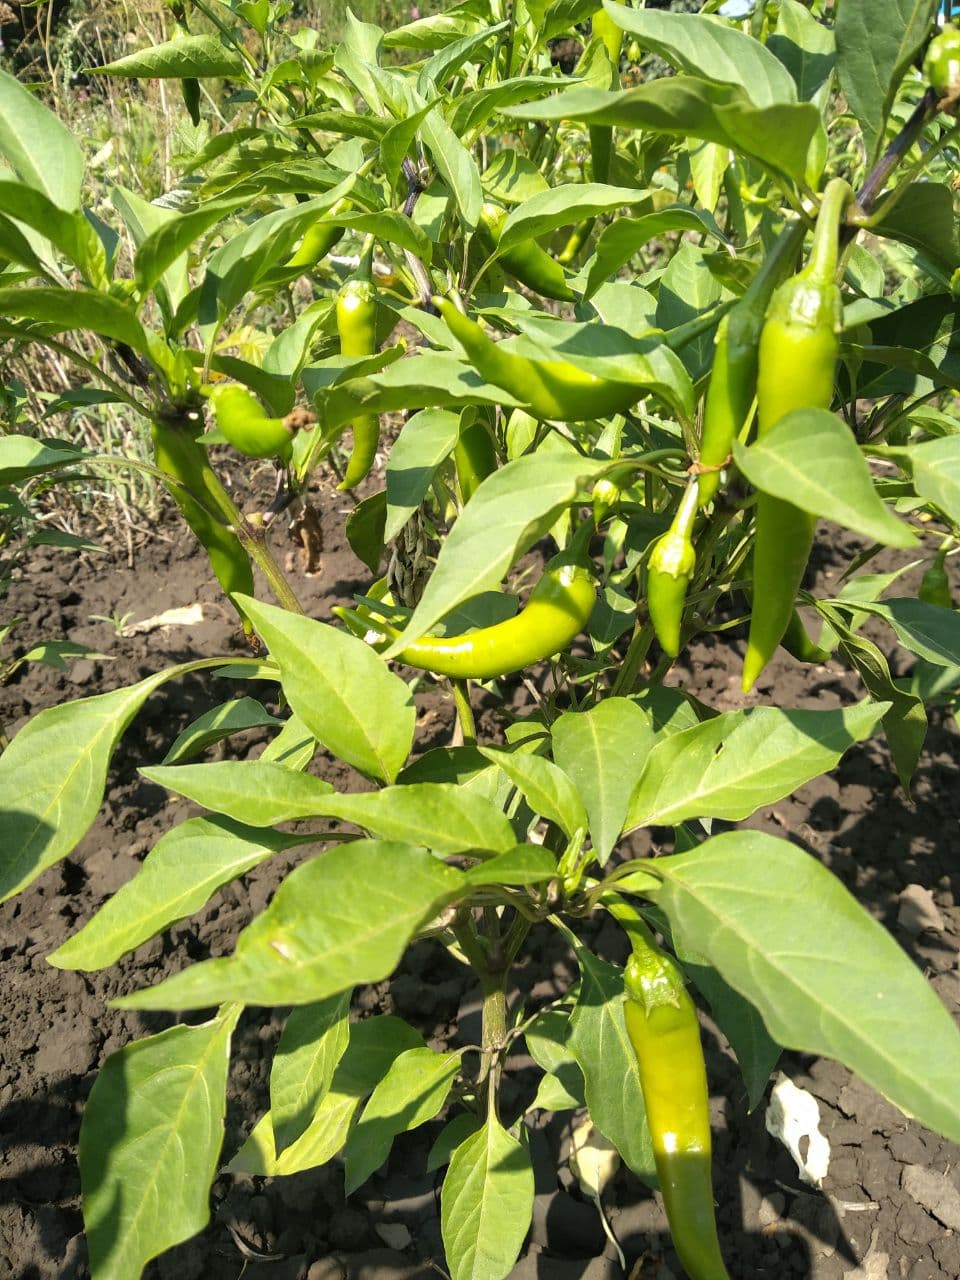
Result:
[{"x": 600, "y": 289}]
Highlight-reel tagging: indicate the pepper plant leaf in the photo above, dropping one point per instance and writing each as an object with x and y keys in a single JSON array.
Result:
[
  {"x": 314, "y": 1039},
  {"x": 149, "y": 1144},
  {"x": 826, "y": 977},
  {"x": 486, "y": 1204},
  {"x": 339, "y": 920},
  {"x": 733, "y": 765}
]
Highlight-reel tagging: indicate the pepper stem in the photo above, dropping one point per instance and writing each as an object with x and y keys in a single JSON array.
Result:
[
  {"x": 825, "y": 252},
  {"x": 687, "y": 510}
]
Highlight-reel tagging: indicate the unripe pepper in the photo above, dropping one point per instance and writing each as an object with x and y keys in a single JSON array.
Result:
[
  {"x": 557, "y": 611},
  {"x": 665, "y": 1035},
  {"x": 241, "y": 418},
  {"x": 799, "y": 347},
  {"x": 198, "y": 493},
  {"x": 601, "y": 136},
  {"x": 941, "y": 63},
  {"x": 475, "y": 453},
  {"x": 935, "y": 585},
  {"x": 552, "y": 390},
  {"x": 320, "y": 238},
  {"x": 669, "y": 570},
  {"x": 733, "y": 378},
  {"x": 527, "y": 262},
  {"x": 357, "y": 327}
]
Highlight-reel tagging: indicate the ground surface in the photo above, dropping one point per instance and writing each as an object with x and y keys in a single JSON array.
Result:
[{"x": 890, "y": 1205}]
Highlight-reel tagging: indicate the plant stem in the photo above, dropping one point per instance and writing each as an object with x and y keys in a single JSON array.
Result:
[
  {"x": 468, "y": 725},
  {"x": 922, "y": 114}
]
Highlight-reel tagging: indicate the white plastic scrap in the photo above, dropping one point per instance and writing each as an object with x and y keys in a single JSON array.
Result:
[{"x": 792, "y": 1115}]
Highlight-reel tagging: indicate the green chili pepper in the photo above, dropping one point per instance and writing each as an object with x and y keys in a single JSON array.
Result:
[
  {"x": 320, "y": 238},
  {"x": 577, "y": 239},
  {"x": 941, "y": 63},
  {"x": 799, "y": 347},
  {"x": 527, "y": 262},
  {"x": 475, "y": 453},
  {"x": 601, "y": 136},
  {"x": 241, "y": 418},
  {"x": 199, "y": 494},
  {"x": 553, "y": 390},
  {"x": 669, "y": 570},
  {"x": 733, "y": 379},
  {"x": 665, "y": 1034},
  {"x": 935, "y": 585},
  {"x": 559, "y": 608},
  {"x": 357, "y": 327},
  {"x": 799, "y": 645}
]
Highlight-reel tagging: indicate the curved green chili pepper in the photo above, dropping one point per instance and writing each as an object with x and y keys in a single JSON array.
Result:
[
  {"x": 357, "y": 327},
  {"x": 799, "y": 347},
  {"x": 665, "y": 1034},
  {"x": 733, "y": 379},
  {"x": 553, "y": 390},
  {"x": 527, "y": 262},
  {"x": 179, "y": 454},
  {"x": 557, "y": 611},
  {"x": 941, "y": 63},
  {"x": 799, "y": 645},
  {"x": 669, "y": 570},
  {"x": 935, "y": 585},
  {"x": 241, "y": 418}
]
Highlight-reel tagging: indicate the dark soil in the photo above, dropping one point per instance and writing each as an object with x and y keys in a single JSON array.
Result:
[{"x": 889, "y": 1206}]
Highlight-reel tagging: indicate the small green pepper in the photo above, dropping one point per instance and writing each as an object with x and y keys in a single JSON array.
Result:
[
  {"x": 320, "y": 238},
  {"x": 941, "y": 63},
  {"x": 475, "y": 453},
  {"x": 558, "y": 609},
  {"x": 665, "y": 1035},
  {"x": 799, "y": 347},
  {"x": 357, "y": 327},
  {"x": 241, "y": 418},
  {"x": 527, "y": 262},
  {"x": 935, "y": 585},
  {"x": 669, "y": 570},
  {"x": 601, "y": 136}
]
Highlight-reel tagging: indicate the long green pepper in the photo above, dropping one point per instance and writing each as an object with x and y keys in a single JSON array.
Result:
[
  {"x": 799, "y": 347},
  {"x": 357, "y": 328}
]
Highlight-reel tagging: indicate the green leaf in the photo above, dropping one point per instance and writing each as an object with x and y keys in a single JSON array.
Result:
[
  {"x": 486, "y": 1204},
  {"x": 927, "y": 630},
  {"x": 598, "y": 1040},
  {"x": 149, "y": 1144},
  {"x": 312, "y": 1044},
  {"x": 603, "y": 751},
  {"x": 340, "y": 689},
  {"x": 248, "y": 791},
  {"x": 544, "y": 785},
  {"x": 710, "y": 48},
  {"x": 453, "y": 1133},
  {"x": 935, "y": 468},
  {"x": 547, "y": 1043},
  {"x": 810, "y": 459},
  {"x": 626, "y": 236},
  {"x": 188, "y": 57},
  {"x": 165, "y": 245},
  {"x": 778, "y": 136},
  {"x": 22, "y": 457},
  {"x": 733, "y": 765},
  {"x": 559, "y": 206},
  {"x": 337, "y": 921},
  {"x": 217, "y": 724},
  {"x": 373, "y": 1045},
  {"x": 826, "y": 977},
  {"x": 53, "y": 774},
  {"x": 64, "y": 309},
  {"x": 179, "y": 876},
  {"x": 511, "y": 510},
  {"x": 42, "y": 152},
  {"x": 67, "y": 231},
  {"x": 426, "y": 439},
  {"x": 411, "y": 1093},
  {"x": 523, "y": 864},
  {"x": 805, "y": 47},
  {"x": 923, "y": 217},
  {"x": 877, "y": 40},
  {"x": 689, "y": 289},
  {"x": 366, "y": 530}
]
